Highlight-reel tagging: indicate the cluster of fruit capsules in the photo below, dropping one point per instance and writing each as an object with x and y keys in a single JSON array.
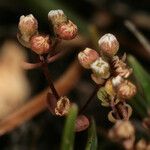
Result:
[
  {"x": 30, "y": 37},
  {"x": 110, "y": 72},
  {"x": 42, "y": 44},
  {"x": 123, "y": 132}
]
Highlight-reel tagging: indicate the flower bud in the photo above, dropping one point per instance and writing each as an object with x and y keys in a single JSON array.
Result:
[
  {"x": 108, "y": 45},
  {"x": 28, "y": 26},
  {"x": 57, "y": 17},
  {"x": 110, "y": 88},
  {"x": 67, "y": 31},
  {"x": 63, "y": 106},
  {"x": 142, "y": 144},
  {"x": 126, "y": 90},
  {"x": 122, "y": 130},
  {"x": 101, "y": 68},
  {"x": 63, "y": 28},
  {"x": 41, "y": 44},
  {"x": 87, "y": 57},
  {"x": 125, "y": 129},
  {"x": 116, "y": 81}
]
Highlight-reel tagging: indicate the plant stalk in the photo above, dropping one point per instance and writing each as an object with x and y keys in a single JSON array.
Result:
[
  {"x": 89, "y": 100},
  {"x": 47, "y": 75}
]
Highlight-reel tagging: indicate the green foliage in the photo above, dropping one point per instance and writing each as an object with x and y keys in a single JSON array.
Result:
[
  {"x": 69, "y": 130},
  {"x": 92, "y": 137},
  {"x": 142, "y": 99}
]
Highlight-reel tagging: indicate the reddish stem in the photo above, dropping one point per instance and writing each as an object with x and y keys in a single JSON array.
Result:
[
  {"x": 89, "y": 99},
  {"x": 29, "y": 66},
  {"x": 47, "y": 75},
  {"x": 55, "y": 56}
]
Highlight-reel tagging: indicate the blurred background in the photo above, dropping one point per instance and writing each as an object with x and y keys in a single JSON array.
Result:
[{"x": 93, "y": 18}]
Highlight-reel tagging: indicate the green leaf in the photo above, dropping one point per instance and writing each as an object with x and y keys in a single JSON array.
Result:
[
  {"x": 69, "y": 129},
  {"x": 138, "y": 106},
  {"x": 142, "y": 78},
  {"x": 92, "y": 137}
]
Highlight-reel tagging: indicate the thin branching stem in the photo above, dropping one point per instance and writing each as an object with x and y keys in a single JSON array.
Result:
[
  {"x": 37, "y": 104},
  {"x": 89, "y": 99},
  {"x": 47, "y": 75},
  {"x": 29, "y": 66}
]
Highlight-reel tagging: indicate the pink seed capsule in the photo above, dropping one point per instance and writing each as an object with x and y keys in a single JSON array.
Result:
[
  {"x": 87, "y": 57},
  {"x": 126, "y": 90},
  {"x": 41, "y": 44},
  {"x": 108, "y": 45},
  {"x": 122, "y": 130},
  {"x": 28, "y": 26},
  {"x": 57, "y": 17},
  {"x": 66, "y": 31}
]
